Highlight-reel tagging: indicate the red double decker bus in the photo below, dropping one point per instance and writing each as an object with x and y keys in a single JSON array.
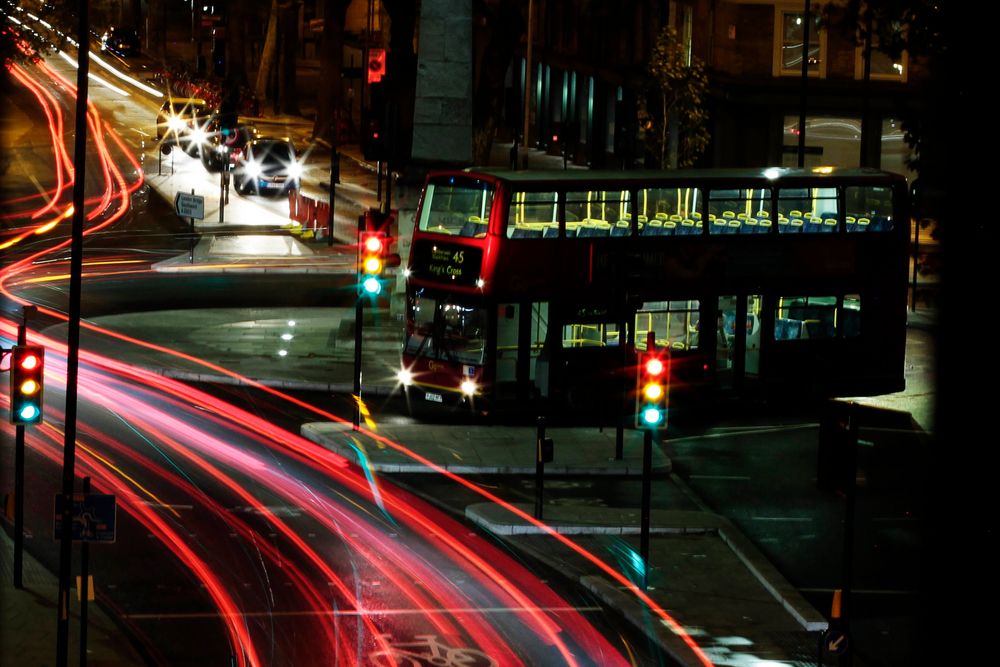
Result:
[{"x": 539, "y": 286}]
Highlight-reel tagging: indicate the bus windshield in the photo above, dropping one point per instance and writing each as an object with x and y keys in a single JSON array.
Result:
[
  {"x": 446, "y": 331},
  {"x": 457, "y": 207}
]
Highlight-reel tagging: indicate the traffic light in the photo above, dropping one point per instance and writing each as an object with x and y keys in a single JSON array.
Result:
[
  {"x": 27, "y": 374},
  {"x": 376, "y": 65},
  {"x": 373, "y": 251},
  {"x": 375, "y": 128},
  {"x": 652, "y": 381},
  {"x": 373, "y": 140},
  {"x": 374, "y": 241}
]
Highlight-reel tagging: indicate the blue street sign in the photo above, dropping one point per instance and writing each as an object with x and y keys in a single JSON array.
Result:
[
  {"x": 94, "y": 517},
  {"x": 835, "y": 642}
]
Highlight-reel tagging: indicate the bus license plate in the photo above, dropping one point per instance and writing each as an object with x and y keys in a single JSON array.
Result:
[{"x": 434, "y": 398}]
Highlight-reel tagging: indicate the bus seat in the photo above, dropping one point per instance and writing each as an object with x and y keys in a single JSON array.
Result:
[
  {"x": 660, "y": 215},
  {"x": 795, "y": 213},
  {"x": 795, "y": 225},
  {"x": 687, "y": 227},
  {"x": 524, "y": 232},
  {"x": 734, "y": 226},
  {"x": 729, "y": 215},
  {"x": 763, "y": 214},
  {"x": 669, "y": 228},
  {"x": 813, "y": 226},
  {"x": 742, "y": 216},
  {"x": 763, "y": 226},
  {"x": 864, "y": 224},
  {"x": 719, "y": 226},
  {"x": 697, "y": 215},
  {"x": 678, "y": 345},
  {"x": 882, "y": 223},
  {"x": 622, "y": 228},
  {"x": 783, "y": 226},
  {"x": 551, "y": 231},
  {"x": 653, "y": 228},
  {"x": 750, "y": 226},
  {"x": 829, "y": 225},
  {"x": 676, "y": 217},
  {"x": 828, "y": 214},
  {"x": 473, "y": 226},
  {"x": 851, "y": 223}
]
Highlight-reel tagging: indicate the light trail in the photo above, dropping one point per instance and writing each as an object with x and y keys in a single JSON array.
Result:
[{"x": 537, "y": 608}]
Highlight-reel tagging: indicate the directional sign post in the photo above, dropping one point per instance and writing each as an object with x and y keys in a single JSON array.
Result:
[
  {"x": 94, "y": 517},
  {"x": 190, "y": 206}
]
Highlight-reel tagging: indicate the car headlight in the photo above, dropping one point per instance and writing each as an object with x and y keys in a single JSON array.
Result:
[
  {"x": 198, "y": 136},
  {"x": 252, "y": 169},
  {"x": 175, "y": 124},
  {"x": 294, "y": 170}
]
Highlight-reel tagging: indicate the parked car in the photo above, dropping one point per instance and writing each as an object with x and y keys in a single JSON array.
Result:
[
  {"x": 268, "y": 165},
  {"x": 184, "y": 122},
  {"x": 226, "y": 147},
  {"x": 121, "y": 41}
]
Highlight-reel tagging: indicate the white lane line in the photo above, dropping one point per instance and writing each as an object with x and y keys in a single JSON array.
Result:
[
  {"x": 362, "y": 612},
  {"x": 739, "y": 478}
]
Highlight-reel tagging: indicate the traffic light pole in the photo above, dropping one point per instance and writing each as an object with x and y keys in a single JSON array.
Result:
[
  {"x": 22, "y": 339},
  {"x": 647, "y": 475},
  {"x": 359, "y": 319},
  {"x": 73, "y": 337}
]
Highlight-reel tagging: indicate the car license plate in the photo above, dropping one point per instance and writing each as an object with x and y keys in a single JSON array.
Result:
[{"x": 434, "y": 398}]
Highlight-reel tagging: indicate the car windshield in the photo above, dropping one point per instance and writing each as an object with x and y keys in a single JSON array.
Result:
[{"x": 273, "y": 152}]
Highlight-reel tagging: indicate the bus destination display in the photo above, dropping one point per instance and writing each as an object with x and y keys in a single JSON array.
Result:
[{"x": 447, "y": 262}]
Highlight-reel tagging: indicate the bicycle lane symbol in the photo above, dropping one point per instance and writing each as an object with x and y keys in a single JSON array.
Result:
[{"x": 428, "y": 650}]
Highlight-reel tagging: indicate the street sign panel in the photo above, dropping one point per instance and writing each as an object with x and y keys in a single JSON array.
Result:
[
  {"x": 94, "y": 516},
  {"x": 189, "y": 205}
]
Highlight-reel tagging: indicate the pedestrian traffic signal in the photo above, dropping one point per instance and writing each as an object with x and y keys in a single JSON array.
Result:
[
  {"x": 27, "y": 375},
  {"x": 651, "y": 389},
  {"x": 376, "y": 65}
]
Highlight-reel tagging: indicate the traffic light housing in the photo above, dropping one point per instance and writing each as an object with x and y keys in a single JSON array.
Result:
[
  {"x": 375, "y": 127},
  {"x": 374, "y": 241},
  {"x": 27, "y": 382},
  {"x": 652, "y": 382}
]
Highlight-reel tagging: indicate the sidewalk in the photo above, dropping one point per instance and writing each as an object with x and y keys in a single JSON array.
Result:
[{"x": 28, "y": 620}]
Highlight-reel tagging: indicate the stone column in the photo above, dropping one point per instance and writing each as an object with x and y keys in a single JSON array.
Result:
[{"x": 442, "y": 116}]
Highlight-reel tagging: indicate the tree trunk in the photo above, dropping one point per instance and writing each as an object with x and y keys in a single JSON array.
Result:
[
  {"x": 236, "y": 36},
  {"x": 288, "y": 22},
  {"x": 329, "y": 97},
  {"x": 401, "y": 74},
  {"x": 268, "y": 54}
]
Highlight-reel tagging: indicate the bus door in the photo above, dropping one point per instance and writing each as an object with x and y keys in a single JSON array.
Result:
[
  {"x": 521, "y": 330},
  {"x": 584, "y": 360},
  {"x": 737, "y": 349}
]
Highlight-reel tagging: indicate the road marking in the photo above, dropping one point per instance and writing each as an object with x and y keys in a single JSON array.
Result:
[
  {"x": 781, "y": 518},
  {"x": 740, "y": 478},
  {"x": 362, "y": 612},
  {"x": 168, "y": 506}
]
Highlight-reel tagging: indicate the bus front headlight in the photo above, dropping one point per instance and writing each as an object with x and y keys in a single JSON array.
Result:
[{"x": 469, "y": 387}]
